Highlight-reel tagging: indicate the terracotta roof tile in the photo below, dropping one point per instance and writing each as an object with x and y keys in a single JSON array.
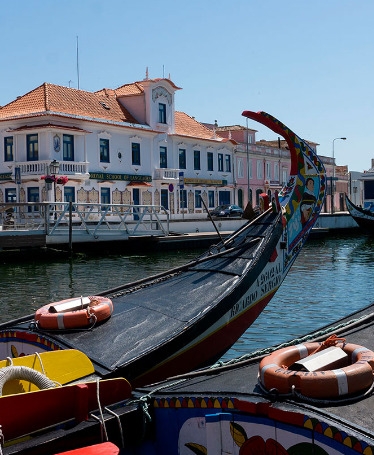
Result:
[
  {"x": 159, "y": 79},
  {"x": 188, "y": 126},
  {"x": 103, "y": 105},
  {"x": 129, "y": 89},
  {"x": 136, "y": 88},
  {"x": 49, "y": 98}
]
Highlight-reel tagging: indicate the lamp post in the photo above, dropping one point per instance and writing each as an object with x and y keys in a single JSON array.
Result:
[
  {"x": 333, "y": 171},
  {"x": 53, "y": 169}
]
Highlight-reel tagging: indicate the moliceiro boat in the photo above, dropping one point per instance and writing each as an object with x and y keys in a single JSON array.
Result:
[
  {"x": 363, "y": 217},
  {"x": 188, "y": 317}
]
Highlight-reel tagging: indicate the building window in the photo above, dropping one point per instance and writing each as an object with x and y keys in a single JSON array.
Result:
[
  {"x": 284, "y": 176},
  {"x": 104, "y": 197},
  {"x": 228, "y": 163},
  {"x": 268, "y": 170},
  {"x": 259, "y": 169},
  {"x": 196, "y": 160},
  {"x": 198, "y": 204},
  {"x": 10, "y": 195},
  {"x": 276, "y": 172},
  {"x": 32, "y": 147},
  {"x": 33, "y": 196},
  {"x": 163, "y": 158},
  {"x": 249, "y": 164},
  {"x": 182, "y": 159},
  {"x": 211, "y": 198},
  {"x": 240, "y": 168},
  {"x": 104, "y": 150},
  {"x": 68, "y": 147},
  {"x": 161, "y": 113},
  {"x": 135, "y": 153},
  {"x": 8, "y": 148},
  {"x": 183, "y": 199},
  {"x": 220, "y": 162},
  {"x": 210, "y": 161}
]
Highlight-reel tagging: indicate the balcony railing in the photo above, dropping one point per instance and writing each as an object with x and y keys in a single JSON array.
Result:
[
  {"x": 166, "y": 174},
  {"x": 29, "y": 168}
]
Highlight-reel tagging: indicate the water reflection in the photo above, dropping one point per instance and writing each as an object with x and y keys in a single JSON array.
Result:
[{"x": 29, "y": 285}]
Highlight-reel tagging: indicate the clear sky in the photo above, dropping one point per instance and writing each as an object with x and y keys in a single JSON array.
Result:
[{"x": 308, "y": 63}]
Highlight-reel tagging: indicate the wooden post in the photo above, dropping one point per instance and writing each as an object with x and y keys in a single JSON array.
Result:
[{"x": 70, "y": 227}]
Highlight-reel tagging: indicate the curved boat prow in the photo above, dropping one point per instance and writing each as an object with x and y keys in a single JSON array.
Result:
[{"x": 302, "y": 198}]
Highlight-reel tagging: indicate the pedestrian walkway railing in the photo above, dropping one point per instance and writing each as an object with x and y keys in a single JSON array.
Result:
[{"x": 87, "y": 218}]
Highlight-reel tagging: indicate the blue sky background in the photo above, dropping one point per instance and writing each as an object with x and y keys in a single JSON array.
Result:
[{"x": 308, "y": 63}]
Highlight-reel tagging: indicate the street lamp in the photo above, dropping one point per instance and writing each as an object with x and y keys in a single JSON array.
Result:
[
  {"x": 333, "y": 171},
  {"x": 54, "y": 167}
]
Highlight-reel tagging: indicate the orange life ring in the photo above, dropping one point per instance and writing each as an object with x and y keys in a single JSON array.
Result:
[
  {"x": 356, "y": 377},
  {"x": 57, "y": 316}
]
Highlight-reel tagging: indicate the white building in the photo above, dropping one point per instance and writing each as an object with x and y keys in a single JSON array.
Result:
[{"x": 122, "y": 146}]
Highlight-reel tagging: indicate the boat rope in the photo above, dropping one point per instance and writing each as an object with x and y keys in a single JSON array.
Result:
[
  {"x": 41, "y": 362},
  {"x": 143, "y": 404},
  {"x": 312, "y": 336},
  {"x": 100, "y": 409},
  {"x": 98, "y": 419},
  {"x": 35, "y": 326},
  {"x": 10, "y": 362},
  {"x": 143, "y": 401},
  {"x": 26, "y": 374},
  {"x": 1, "y": 440},
  {"x": 274, "y": 395},
  {"x": 342, "y": 401},
  {"x": 117, "y": 417}
]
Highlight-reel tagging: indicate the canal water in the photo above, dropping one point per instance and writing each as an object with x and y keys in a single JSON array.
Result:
[{"x": 331, "y": 278}]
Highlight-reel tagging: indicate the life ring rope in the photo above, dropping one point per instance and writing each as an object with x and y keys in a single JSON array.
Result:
[
  {"x": 316, "y": 401},
  {"x": 332, "y": 340}
]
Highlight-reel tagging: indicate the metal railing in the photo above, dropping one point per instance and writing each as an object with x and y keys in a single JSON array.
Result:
[{"x": 88, "y": 219}]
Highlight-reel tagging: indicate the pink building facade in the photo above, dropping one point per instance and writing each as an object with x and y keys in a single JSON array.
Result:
[{"x": 259, "y": 167}]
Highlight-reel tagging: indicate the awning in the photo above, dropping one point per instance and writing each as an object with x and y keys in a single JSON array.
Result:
[{"x": 139, "y": 184}]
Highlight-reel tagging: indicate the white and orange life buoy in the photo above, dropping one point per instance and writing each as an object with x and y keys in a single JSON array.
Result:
[
  {"x": 74, "y": 313},
  {"x": 353, "y": 378}
]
